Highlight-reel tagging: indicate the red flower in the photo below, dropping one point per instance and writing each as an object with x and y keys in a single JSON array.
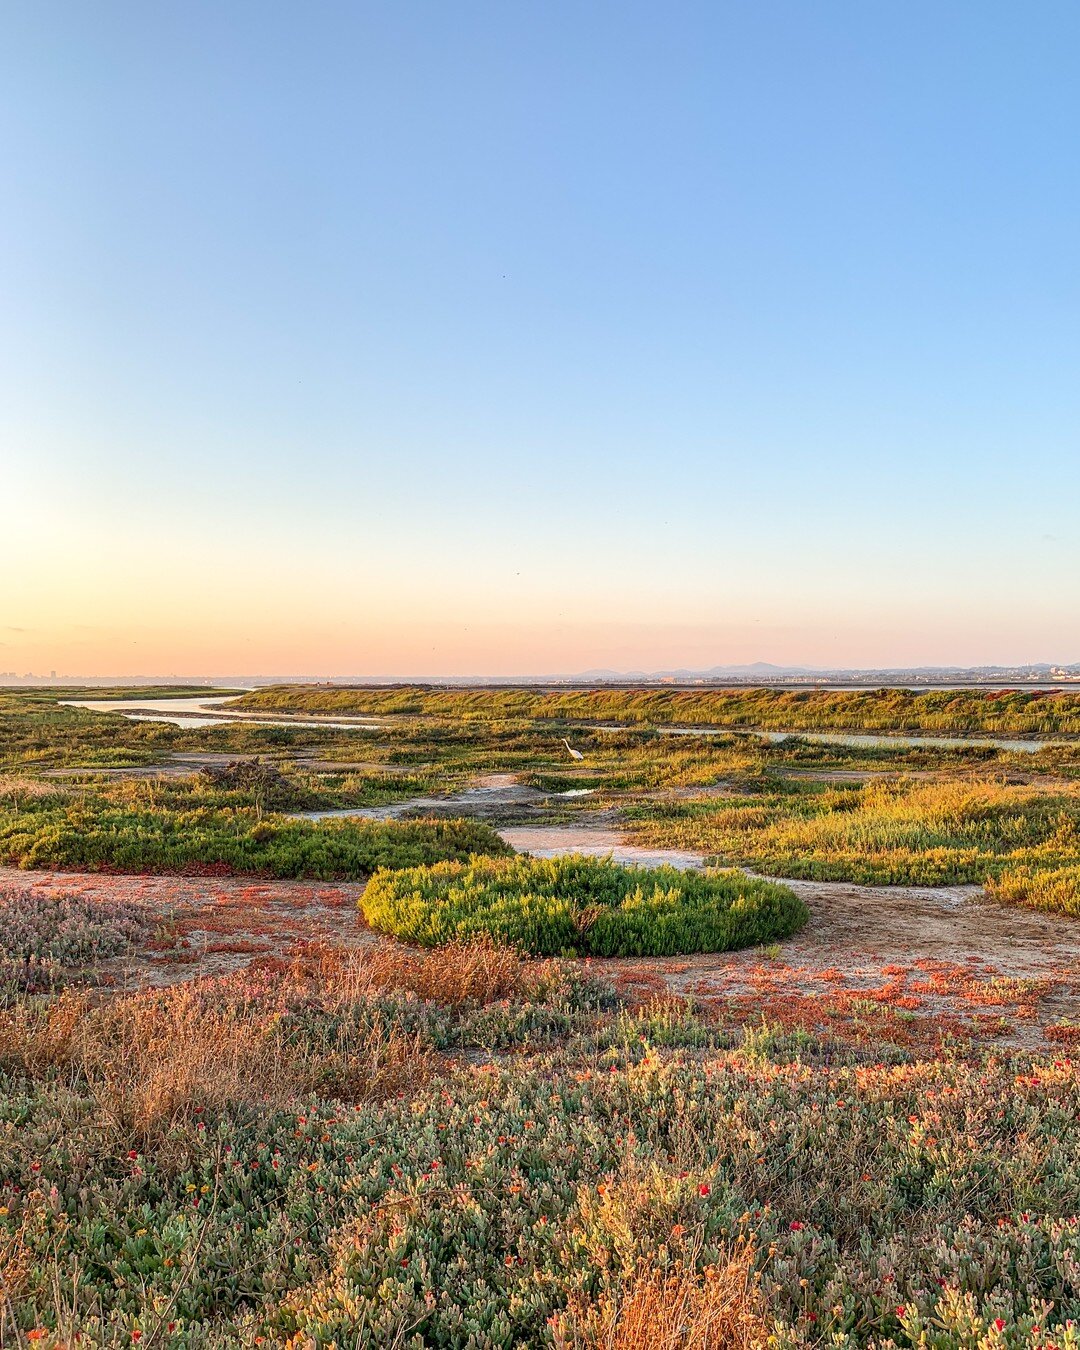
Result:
[
  {"x": 796, "y": 1226},
  {"x": 703, "y": 1189},
  {"x": 999, "y": 1324},
  {"x": 901, "y": 1310}
]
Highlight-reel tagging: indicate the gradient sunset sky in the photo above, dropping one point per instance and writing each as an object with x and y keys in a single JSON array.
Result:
[{"x": 529, "y": 337}]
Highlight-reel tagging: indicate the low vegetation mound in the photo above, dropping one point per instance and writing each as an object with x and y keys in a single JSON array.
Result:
[
  {"x": 263, "y": 782},
  {"x": 583, "y": 906},
  {"x": 101, "y": 837}
]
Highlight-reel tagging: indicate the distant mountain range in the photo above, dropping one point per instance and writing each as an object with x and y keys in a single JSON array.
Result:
[{"x": 766, "y": 672}]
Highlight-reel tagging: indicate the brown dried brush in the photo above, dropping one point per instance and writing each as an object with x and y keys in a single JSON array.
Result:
[
  {"x": 719, "y": 1308},
  {"x": 455, "y": 975}
]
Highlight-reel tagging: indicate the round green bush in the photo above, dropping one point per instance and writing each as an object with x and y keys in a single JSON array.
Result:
[{"x": 581, "y": 906}]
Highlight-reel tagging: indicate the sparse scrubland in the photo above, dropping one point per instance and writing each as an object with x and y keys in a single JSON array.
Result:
[{"x": 454, "y": 1144}]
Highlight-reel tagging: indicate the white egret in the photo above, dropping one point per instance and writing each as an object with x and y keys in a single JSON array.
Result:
[{"x": 574, "y": 754}]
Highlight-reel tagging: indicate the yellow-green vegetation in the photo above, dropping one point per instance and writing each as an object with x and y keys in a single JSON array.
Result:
[
  {"x": 882, "y": 832},
  {"x": 1013, "y": 712},
  {"x": 587, "y": 906},
  {"x": 758, "y": 804},
  {"x": 1054, "y": 888}
]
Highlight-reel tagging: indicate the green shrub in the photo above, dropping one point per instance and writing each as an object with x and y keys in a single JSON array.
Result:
[
  {"x": 562, "y": 906},
  {"x": 106, "y": 838}
]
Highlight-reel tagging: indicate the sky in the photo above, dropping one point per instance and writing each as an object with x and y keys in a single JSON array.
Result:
[{"x": 518, "y": 337}]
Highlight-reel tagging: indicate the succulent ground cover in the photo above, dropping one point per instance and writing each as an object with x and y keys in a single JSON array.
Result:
[
  {"x": 312, "y": 1154},
  {"x": 90, "y": 832},
  {"x": 45, "y": 938},
  {"x": 587, "y": 906}
]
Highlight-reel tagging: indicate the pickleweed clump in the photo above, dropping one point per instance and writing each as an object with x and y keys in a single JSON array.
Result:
[
  {"x": 103, "y": 835},
  {"x": 1022, "y": 841},
  {"x": 579, "y": 905}
]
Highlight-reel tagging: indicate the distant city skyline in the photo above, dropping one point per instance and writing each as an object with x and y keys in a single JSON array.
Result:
[
  {"x": 508, "y": 339},
  {"x": 1039, "y": 675}
]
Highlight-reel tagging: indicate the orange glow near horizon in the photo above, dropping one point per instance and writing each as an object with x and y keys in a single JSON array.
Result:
[{"x": 299, "y": 646}]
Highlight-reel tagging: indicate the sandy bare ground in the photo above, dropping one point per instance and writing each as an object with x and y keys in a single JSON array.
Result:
[
  {"x": 949, "y": 951},
  {"x": 212, "y": 925},
  {"x": 917, "y": 964}
]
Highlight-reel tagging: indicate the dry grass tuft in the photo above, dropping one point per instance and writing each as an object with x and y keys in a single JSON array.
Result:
[
  {"x": 16, "y": 791},
  {"x": 37, "y": 1038},
  {"x": 459, "y": 974},
  {"x": 720, "y": 1308},
  {"x": 158, "y": 1059}
]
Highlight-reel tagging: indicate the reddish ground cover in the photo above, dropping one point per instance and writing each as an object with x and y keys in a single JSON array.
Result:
[{"x": 837, "y": 977}]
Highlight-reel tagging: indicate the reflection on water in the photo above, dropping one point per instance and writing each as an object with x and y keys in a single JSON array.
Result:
[
  {"x": 854, "y": 738},
  {"x": 555, "y": 841},
  {"x": 472, "y": 801},
  {"x": 205, "y": 711}
]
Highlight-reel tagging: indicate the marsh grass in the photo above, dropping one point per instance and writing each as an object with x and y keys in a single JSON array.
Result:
[
  {"x": 1019, "y": 711},
  {"x": 883, "y": 832}
]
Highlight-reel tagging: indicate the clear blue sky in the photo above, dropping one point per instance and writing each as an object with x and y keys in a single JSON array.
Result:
[{"x": 457, "y": 337}]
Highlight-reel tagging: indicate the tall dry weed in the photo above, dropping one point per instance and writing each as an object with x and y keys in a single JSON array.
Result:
[
  {"x": 719, "y": 1308},
  {"x": 456, "y": 975},
  {"x": 157, "y": 1059}
]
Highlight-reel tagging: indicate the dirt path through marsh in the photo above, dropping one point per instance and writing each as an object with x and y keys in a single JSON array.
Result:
[
  {"x": 966, "y": 952},
  {"x": 933, "y": 961}
]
